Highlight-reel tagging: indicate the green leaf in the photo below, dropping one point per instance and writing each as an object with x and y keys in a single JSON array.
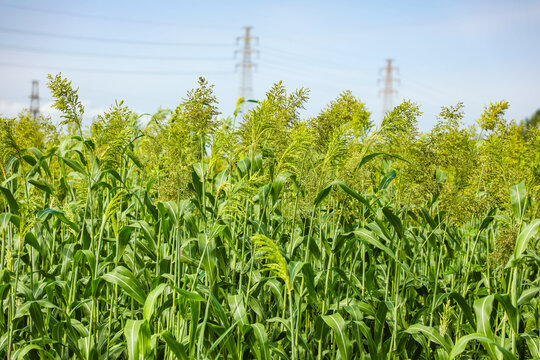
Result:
[
  {"x": 177, "y": 348},
  {"x": 171, "y": 208},
  {"x": 372, "y": 346},
  {"x": 370, "y": 238},
  {"x": 37, "y": 316},
  {"x": 337, "y": 324},
  {"x": 45, "y": 213},
  {"x": 461, "y": 344},
  {"x": 294, "y": 269},
  {"x": 518, "y": 196},
  {"x": 151, "y": 299},
  {"x": 441, "y": 175},
  {"x": 354, "y": 194},
  {"x": 238, "y": 309},
  {"x": 36, "y": 152},
  {"x": 188, "y": 294},
  {"x": 131, "y": 332},
  {"x": 148, "y": 233},
  {"x": 483, "y": 308},
  {"x": 126, "y": 280},
  {"x": 430, "y": 333},
  {"x": 487, "y": 220},
  {"x": 73, "y": 164},
  {"x": 524, "y": 237},
  {"x": 322, "y": 195},
  {"x": 394, "y": 220},
  {"x": 511, "y": 311},
  {"x": 195, "y": 308},
  {"x": 462, "y": 303},
  {"x": 387, "y": 179},
  {"x": 150, "y": 206},
  {"x": 90, "y": 259},
  {"x": 137, "y": 333},
  {"x": 262, "y": 338},
  {"x": 13, "y": 206},
  {"x": 20, "y": 354},
  {"x": 222, "y": 337},
  {"x": 31, "y": 239},
  {"x": 527, "y": 295},
  {"x": 370, "y": 157},
  {"x": 6, "y": 219},
  {"x": 533, "y": 343},
  {"x": 43, "y": 186}
]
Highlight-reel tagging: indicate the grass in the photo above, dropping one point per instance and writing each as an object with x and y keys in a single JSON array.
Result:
[{"x": 94, "y": 267}]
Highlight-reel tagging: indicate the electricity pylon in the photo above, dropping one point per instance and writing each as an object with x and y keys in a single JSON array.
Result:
[
  {"x": 388, "y": 90},
  {"x": 247, "y": 65},
  {"x": 34, "y": 99}
]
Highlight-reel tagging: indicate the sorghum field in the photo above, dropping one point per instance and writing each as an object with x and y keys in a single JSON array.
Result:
[{"x": 189, "y": 234}]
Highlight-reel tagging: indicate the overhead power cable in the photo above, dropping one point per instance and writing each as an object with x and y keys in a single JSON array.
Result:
[
  {"x": 117, "y": 71},
  {"x": 311, "y": 70},
  {"x": 313, "y": 59},
  {"x": 108, "y": 55},
  {"x": 110, "y": 40},
  {"x": 107, "y": 18}
]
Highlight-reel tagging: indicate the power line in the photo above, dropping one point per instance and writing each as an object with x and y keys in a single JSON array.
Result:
[
  {"x": 118, "y": 71},
  {"x": 306, "y": 78},
  {"x": 428, "y": 88},
  {"x": 101, "y": 17},
  {"x": 349, "y": 73},
  {"x": 319, "y": 64},
  {"x": 281, "y": 53},
  {"x": 338, "y": 59},
  {"x": 106, "y": 55},
  {"x": 109, "y": 40}
]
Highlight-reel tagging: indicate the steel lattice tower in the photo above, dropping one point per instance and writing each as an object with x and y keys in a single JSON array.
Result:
[
  {"x": 388, "y": 90},
  {"x": 34, "y": 99},
  {"x": 247, "y": 65}
]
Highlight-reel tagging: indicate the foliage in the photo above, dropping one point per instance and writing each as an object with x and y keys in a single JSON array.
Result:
[
  {"x": 173, "y": 141},
  {"x": 191, "y": 238},
  {"x": 491, "y": 118},
  {"x": 530, "y": 125},
  {"x": 267, "y": 126},
  {"x": 401, "y": 123},
  {"x": 114, "y": 131},
  {"x": 25, "y": 132},
  {"x": 346, "y": 111},
  {"x": 67, "y": 102}
]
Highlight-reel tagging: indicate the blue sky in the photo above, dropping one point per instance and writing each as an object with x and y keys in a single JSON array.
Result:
[{"x": 446, "y": 51}]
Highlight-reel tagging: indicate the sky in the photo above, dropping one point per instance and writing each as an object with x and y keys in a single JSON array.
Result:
[{"x": 150, "y": 53}]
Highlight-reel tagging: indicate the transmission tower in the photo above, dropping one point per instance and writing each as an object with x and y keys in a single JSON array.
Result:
[
  {"x": 34, "y": 99},
  {"x": 388, "y": 91},
  {"x": 247, "y": 65}
]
